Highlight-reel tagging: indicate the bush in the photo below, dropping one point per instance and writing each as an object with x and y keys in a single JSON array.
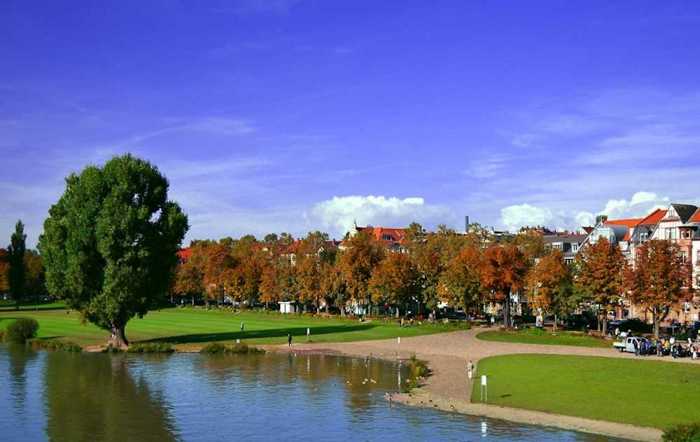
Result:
[
  {"x": 153, "y": 347},
  {"x": 218, "y": 349},
  {"x": 683, "y": 433},
  {"x": 21, "y": 330},
  {"x": 417, "y": 371},
  {"x": 53, "y": 345}
]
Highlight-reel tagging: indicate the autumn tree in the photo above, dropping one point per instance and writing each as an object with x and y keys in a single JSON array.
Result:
[
  {"x": 189, "y": 276},
  {"x": 503, "y": 273},
  {"x": 362, "y": 255},
  {"x": 35, "y": 274},
  {"x": 270, "y": 287},
  {"x": 332, "y": 284},
  {"x": 110, "y": 243},
  {"x": 312, "y": 252},
  {"x": 17, "y": 272},
  {"x": 431, "y": 253},
  {"x": 218, "y": 266},
  {"x": 395, "y": 280},
  {"x": 660, "y": 279},
  {"x": 600, "y": 276},
  {"x": 244, "y": 280},
  {"x": 549, "y": 286},
  {"x": 460, "y": 283}
]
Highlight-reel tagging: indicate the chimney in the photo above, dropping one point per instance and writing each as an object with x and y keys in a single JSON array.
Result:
[{"x": 466, "y": 224}]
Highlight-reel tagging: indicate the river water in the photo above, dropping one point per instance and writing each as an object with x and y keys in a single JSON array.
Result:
[{"x": 98, "y": 397}]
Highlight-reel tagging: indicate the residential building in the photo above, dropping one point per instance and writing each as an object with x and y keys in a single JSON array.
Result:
[{"x": 566, "y": 242}]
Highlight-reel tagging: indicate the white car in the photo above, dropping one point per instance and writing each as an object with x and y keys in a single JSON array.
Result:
[{"x": 627, "y": 344}]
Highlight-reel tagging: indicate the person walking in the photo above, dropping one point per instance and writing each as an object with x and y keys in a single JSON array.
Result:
[
  {"x": 242, "y": 327},
  {"x": 470, "y": 370},
  {"x": 289, "y": 339}
]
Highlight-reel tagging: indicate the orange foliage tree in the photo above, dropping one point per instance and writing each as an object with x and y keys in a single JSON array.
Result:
[
  {"x": 660, "y": 279},
  {"x": 362, "y": 255},
  {"x": 549, "y": 284},
  {"x": 460, "y": 283},
  {"x": 503, "y": 272},
  {"x": 600, "y": 276},
  {"x": 395, "y": 280}
]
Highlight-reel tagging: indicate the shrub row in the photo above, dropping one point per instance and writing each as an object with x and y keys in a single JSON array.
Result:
[
  {"x": 151, "y": 347},
  {"x": 217, "y": 349},
  {"x": 54, "y": 345},
  {"x": 683, "y": 433}
]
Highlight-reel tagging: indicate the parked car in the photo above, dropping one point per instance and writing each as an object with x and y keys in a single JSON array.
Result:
[{"x": 634, "y": 344}]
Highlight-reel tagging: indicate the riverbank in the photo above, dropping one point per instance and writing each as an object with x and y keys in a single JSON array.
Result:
[{"x": 448, "y": 389}]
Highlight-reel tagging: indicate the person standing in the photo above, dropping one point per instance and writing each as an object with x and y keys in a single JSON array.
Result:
[
  {"x": 289, "y": 339},
  {"x": 242, "y": 327},
  {"x": 470, "y": 370}
]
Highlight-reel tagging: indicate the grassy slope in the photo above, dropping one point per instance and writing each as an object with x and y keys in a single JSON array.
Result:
[
  {"x": 198, "y": 326},
  {"x": 534, "y": 336},
  {"x": 646, "y": 393}
]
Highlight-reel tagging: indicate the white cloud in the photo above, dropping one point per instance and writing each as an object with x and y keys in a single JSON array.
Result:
[
  {"x": 641, "y": 203},
  {"x": 339, "y": 213},
  {"x": 519, "y": 215}
]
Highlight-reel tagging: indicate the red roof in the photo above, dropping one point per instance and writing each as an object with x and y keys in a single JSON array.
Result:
[
  {"x": 695, "y": 218},
  {"x": 386, "y": 234},
  {"x": 654, "y": 217},
  {"x": 628, "y": 222},
  {"x": 184, "y": 254}
]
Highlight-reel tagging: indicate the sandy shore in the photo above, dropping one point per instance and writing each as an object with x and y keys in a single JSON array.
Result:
[{"x": 447, "y": 388}]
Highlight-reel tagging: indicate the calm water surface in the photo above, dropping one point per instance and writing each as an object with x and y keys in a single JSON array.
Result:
[{"x": 98, "y": 397}]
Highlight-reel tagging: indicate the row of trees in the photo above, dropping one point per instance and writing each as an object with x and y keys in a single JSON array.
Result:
[
  {"x": 21, "y": 269},
  {"x": 110, "y": 242},
  {"x": 465, "y": 271}
]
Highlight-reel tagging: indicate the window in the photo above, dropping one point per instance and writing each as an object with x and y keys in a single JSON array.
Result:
[
  {"x": 684, "y": 255},
  {"x": 697, "y": 281},
  {"x": 697, "y": 257},
  {"x": 558, "y": 245},
  {"x": 671, "y": 233},
  {"x": 574, "y": 247},
  {"x": 387, "y": 237}
]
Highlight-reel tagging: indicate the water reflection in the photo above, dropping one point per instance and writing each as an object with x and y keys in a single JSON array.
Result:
[
  {"x": 94, "y": 397},
  {"x": 19, "y": 359}
]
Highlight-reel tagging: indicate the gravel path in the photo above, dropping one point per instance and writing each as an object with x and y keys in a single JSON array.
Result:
[{"x": 447, "y": 388}]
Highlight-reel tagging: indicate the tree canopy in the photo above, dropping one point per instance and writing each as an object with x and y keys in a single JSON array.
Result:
[{"x": 110, "y": 242}]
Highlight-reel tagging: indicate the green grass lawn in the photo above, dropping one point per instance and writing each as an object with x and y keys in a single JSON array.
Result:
[
  {"x": 537, "y": 336},
  {"x": 197, "y": 326},
  {"x": 646, "y": 393}
]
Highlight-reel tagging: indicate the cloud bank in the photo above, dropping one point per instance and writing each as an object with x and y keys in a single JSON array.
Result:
[{"x": 340, "y": 212}]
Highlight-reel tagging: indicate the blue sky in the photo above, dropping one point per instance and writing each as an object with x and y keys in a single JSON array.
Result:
[{"x": 284, "y": 115}]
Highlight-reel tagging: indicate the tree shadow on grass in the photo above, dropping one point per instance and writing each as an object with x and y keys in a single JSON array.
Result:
[{"x": 259, "y": 334}]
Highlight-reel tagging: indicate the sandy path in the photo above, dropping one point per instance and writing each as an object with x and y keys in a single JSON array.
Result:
[{"x": 448, "y": 389}]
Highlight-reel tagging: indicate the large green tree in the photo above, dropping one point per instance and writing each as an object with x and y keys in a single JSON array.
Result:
[
  {"x": 109, "y": 244},
  {"x": 16, "y": 253}
]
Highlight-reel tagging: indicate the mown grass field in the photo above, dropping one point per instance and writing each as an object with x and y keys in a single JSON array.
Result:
[
  {"x": 645, "y": 393},
  {"x": 198, "y": 326},
  {"x": 536, "y": 336}
]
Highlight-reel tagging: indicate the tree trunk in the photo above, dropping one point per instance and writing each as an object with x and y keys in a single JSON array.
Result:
[
  {"x": 555, "y": 323},
  {"x": 118, "y": 337},
  {"x": 506, "y": 311},
  {"x": 192, "y": 300},
  {"x": 604, "y": 330},
  {"x": 657, "y": 322}
]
